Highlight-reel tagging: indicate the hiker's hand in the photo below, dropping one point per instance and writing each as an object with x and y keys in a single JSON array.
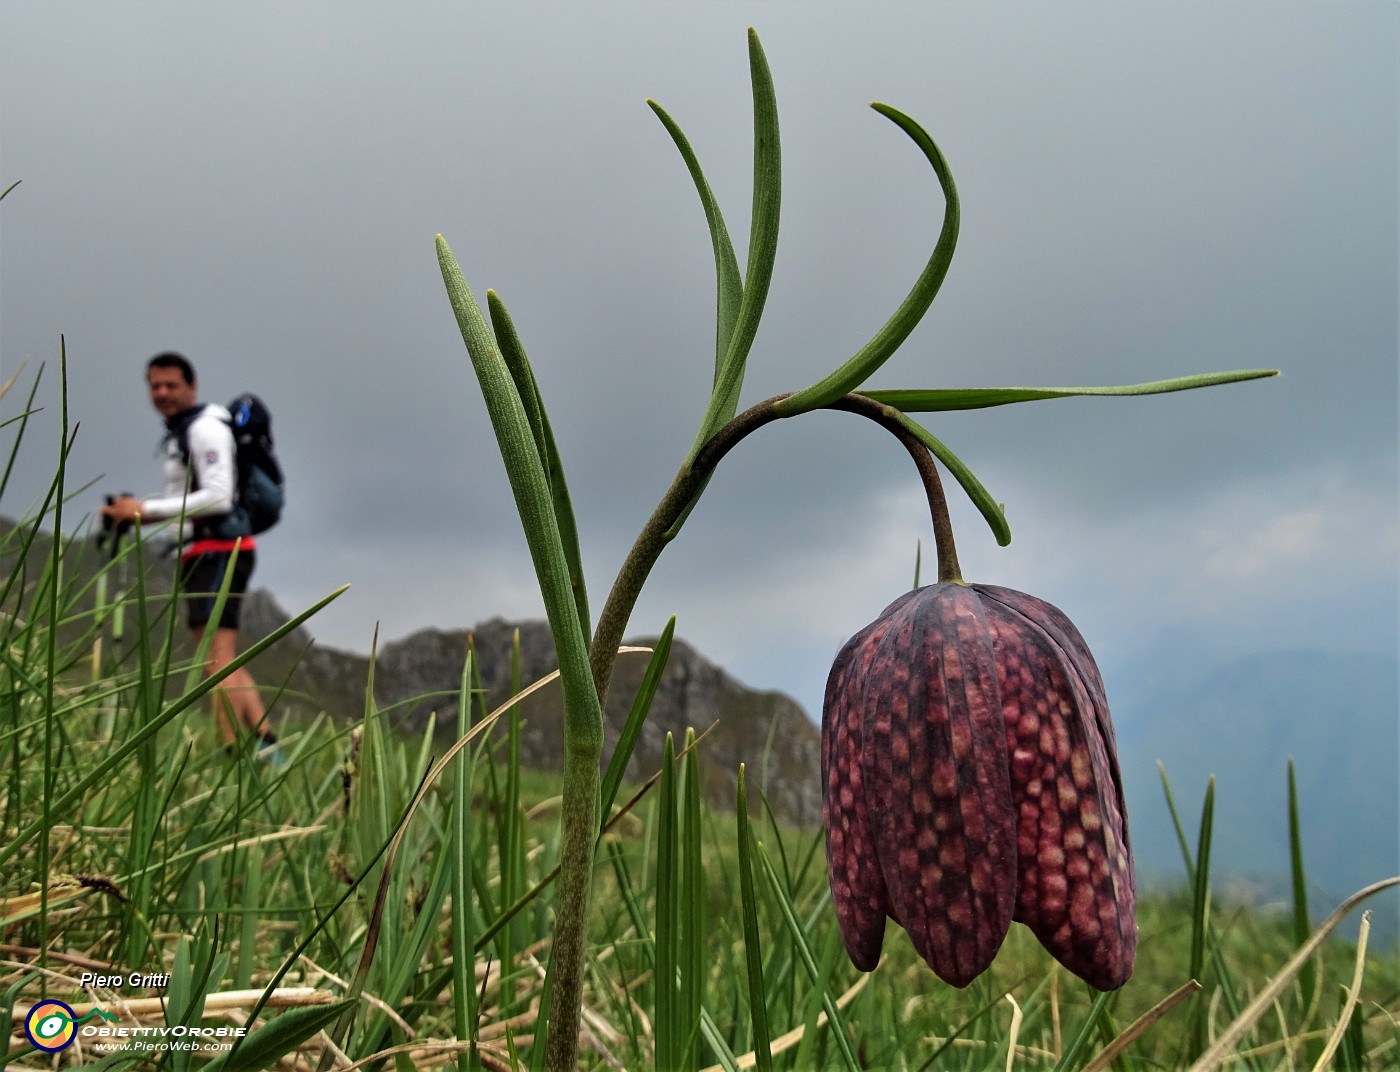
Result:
[{"x": 123, "y": 510}]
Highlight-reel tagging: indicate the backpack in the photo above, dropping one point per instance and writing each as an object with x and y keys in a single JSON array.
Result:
[{"x": 260, "y": 481}]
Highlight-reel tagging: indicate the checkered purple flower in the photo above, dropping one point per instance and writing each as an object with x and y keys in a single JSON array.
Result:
[{"x": 970, "y": 779}]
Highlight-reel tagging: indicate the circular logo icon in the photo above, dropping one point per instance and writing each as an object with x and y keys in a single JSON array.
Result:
[{"x": 49, "y": 1026}]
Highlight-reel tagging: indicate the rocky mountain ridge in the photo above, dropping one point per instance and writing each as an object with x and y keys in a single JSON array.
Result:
[{"x": 419, "y": 676}]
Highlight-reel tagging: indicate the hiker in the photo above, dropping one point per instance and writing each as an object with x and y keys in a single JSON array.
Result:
[{"x": 200, "y": 484}]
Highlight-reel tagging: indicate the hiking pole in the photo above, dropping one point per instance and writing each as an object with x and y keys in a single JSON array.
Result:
[{"x": 110, "y": 538}]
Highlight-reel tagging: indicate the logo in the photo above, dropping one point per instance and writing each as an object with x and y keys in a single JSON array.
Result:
[{"x": 51, "y": 1026}]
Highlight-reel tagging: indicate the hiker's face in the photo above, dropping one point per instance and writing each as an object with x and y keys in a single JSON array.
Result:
[{"x": 169, "y": 391}]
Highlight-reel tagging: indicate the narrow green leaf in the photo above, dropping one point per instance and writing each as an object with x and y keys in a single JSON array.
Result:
[
  {"x": 1200, "y": 906},
  {"x": 1302, "y": 925},
  {"x": 583, "y": 716},
  {"x": 753, "y": 947},
  {"x": 264, "y": 1047},
  {"x": 463, "y": 935},
  {"x": 802, "y": 947},
  {"x": 887, "y": 340},
  {"x": 523, "y": 376},
  {"x": 987, "y": 506},
  {"x": 938, "y": 401},
  {"x": 729, "y": 285},
  {"x": 1070, "y": 1058},
  {"x": 632, "y": 730},
  {"x": 1177, "y": 824},
  {"x": 692, "y": 922},
  {"x": 583, "y": 720},
  {"x": 763, "y": 248},
  {"x": 670, "y": 1031}
]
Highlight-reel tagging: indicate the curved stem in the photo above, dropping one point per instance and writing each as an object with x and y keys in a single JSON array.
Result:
[
  {"x": 885, "y": 416},
  {"x": 690, "y": 481}
]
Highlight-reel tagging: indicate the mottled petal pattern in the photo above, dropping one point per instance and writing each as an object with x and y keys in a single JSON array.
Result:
[
  {"x": 922, "y": 688},
  {"x": 1076, "y": 873},
  {"x": 857, "y": 883},
  {"x": 970, "y": 777}
]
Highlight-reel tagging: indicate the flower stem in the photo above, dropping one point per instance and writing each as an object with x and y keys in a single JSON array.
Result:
[{"x": 661, "y": 527}]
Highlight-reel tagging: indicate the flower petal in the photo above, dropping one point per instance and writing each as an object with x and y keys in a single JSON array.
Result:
[
  {"x": 857, "y": 886},
  {"x": 934, "y": 762},
  {"x": 1076, "y": 870}
]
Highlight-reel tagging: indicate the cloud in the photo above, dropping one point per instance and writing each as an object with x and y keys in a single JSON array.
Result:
[{"x": 262, "y": 189}]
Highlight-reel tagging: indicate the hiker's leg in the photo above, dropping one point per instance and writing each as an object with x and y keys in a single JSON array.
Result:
[{"x": 237, "y": 695}]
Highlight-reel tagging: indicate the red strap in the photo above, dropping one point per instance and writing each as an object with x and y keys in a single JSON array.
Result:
[{"x": 206, "y": 547}]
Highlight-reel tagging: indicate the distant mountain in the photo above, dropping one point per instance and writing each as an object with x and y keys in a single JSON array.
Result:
[{"x": 420, "y": 675}]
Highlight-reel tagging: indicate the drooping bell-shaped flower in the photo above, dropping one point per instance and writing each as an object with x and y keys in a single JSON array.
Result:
[{"x": 970, "y": 777}]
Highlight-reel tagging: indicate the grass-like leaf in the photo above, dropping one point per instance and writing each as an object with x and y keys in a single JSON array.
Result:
[
  {"x": 267, "y": 1045},
  {"x": 729, "y": 284},
  {"x": 887, "y": 340},
  {"x": 513, "y": 353},
  {"x": 583, "y": 715},
  {"x": 753, "y": 944},
  {"x": 763, "y": 249},
  {"x": 987, "y": 506},
  {"x": 636, "y": 718},
  {"x": 944, "y": 400},
  {"x": 819, "y": 979},
  {"x": 1200, "y": 895}
]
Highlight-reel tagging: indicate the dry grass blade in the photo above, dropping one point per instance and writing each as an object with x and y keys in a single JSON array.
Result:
[
  {"x": 5, "y": 387},
  {"x": 260, "y": 839},
  {"x": 60, "y": 892},
  {"x": 426, "y": 1054},
  {"x": 1219, "y": 1050},
  {"x": 793, "y": 1037},
  {"x": 1353, "y": 997},
  {"x": 1016, "y": 1017},
  {"x": 1141, "y": 1026}
]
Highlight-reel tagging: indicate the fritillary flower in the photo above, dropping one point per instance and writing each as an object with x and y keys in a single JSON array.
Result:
[{"x": 970, "y": 779}]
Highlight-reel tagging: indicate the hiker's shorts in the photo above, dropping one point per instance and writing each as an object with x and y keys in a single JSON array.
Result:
[{"x": 201, "y": 577}]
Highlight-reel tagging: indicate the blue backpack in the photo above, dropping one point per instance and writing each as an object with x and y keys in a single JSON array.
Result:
[{"x": 261, "y": 486}]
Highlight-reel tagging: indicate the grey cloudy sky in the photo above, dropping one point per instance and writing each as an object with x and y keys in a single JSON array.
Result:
[{"x": 1148, "y": 190}]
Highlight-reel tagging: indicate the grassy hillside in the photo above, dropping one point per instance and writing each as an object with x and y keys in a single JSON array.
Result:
[{"x": 323, "y": 908}]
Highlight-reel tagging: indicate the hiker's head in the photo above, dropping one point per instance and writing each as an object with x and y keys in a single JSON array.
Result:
[{"x": 171, "y": 379}]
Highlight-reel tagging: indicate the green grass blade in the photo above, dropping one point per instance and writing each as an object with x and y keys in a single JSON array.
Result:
[
  {"x": 1200, "y": 895},
  {"x": 23, "y": 418},
  {"x": 1302, "y": 924},
  {"x": 1070, "y": 1059},
  {"x": 632, "y": 730},
  {"x": 1268, "y": 996},
  {"x": 267, "y": 1045},
  {"x": 668, "y": 1024},
  {"x": 939, "y": 401},
  {"x": 887, "y": 340},
  {"x": 763, "y": 248},
  {"x": 753, "y": 948},
  {"x": 463, "y": 935},
  {"x": 1177, "y": 824},
  {"x": 802, "y": 946},
  {"x": 693, "y": 932}
]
